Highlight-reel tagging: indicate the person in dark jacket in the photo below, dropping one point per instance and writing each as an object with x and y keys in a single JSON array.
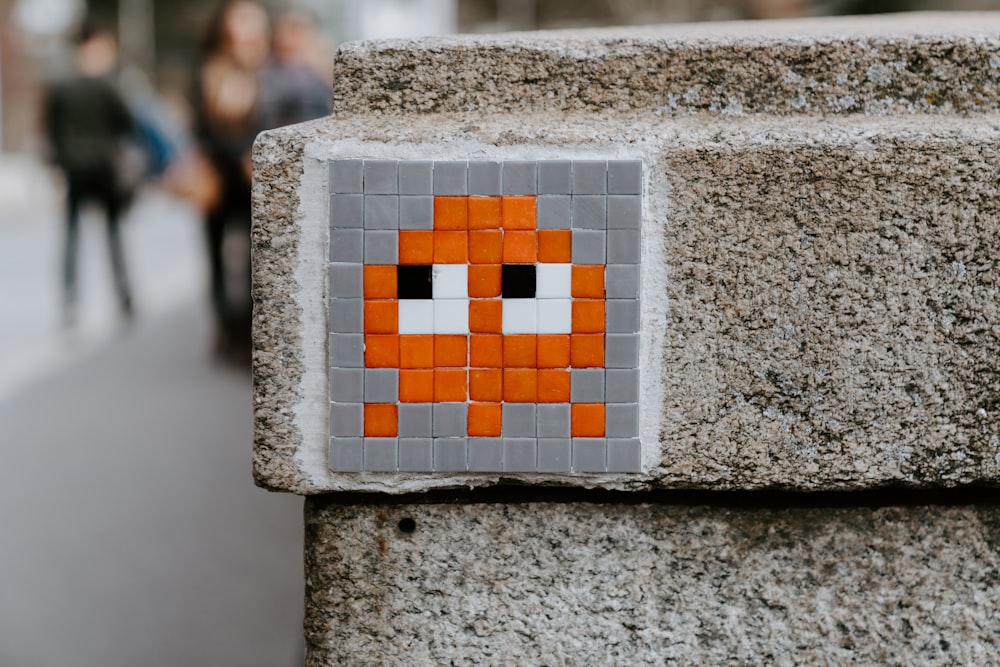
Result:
[{"x": 87, "y": 123}]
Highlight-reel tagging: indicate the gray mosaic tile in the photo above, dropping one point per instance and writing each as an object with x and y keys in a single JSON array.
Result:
[
  {"x": 485, "y": 455},
  {"x": 553, "y": 420},
  {"x": 347, "y": 211},
  {"x": 381, "y": 385},
  {"x": 485, "y": 179},
  {"x": 347, "y": 454},
  {"x": 416, "y": 213},
  {"x": 449, "y": 454},
  {"x": 347, "y": 385},
  {"x": 554, "y": 455},
  {"x": 519, "y": 454},
  {"x": 622, "y": 315},
  {"x": 416, "y": 178},
  {"x": 622, "y": 420},
  {"x": 451, "y": 178},
  {"x": 346, "y": 176},
  {"x": 380, "y": 454},
  {"x": 519, "y": 178},
  {"x": 381, "y": 247},
  {"x": 622, "y": 385},
  {"x": 380, "y": 177},
  {"x": 587, "y": 385},
  {"x": 624, "y": 246},
  {"x": 555, "y": 177},
  {"x": 519, "y": 420},
  {"x": 415, "y": 420},
  {"x": 415, "y": 454},
  {"x": 588, "y": 246},
  {"x": 621, "y": 351},
  {"x": 381, "y": 212},
  {"x": 553, "y": 212},
  {"x": 590, "y": 177},
  {"x": 589, "y": 454},
  {"x": 624, "y": 455},
  {"x": 622, "y": 281},
  {"x": 347, "y": 315},
  {"x": 449, "y": 419},
  {"x": 346, "y": 281},
  {"x": 347, "y": 350},
  {"x": 347, "y": 419},
  {"x": 347, "y": 245},
  {"x": 624, "y": 212},
  {"x": 624, "y": 177},
  {"x": 589, "y": 212}
]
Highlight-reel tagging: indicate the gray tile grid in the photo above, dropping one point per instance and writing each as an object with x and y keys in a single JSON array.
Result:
[
  {"x": 554, "y": 455},
  {"x": 365, "y": 213},
  {"x": 347, "y": 211},
  {"x": 622, "y": 420},
  {"x": 621, "y": 385},
  {"x": 519, "y": 178},
  {"x": 381, "y": 247},
  {"x": 347, "y": 419},
  {"x": 622, "y": 315},
  {"x": 416, "y": 454},
  {"x": 555, "y": 177},
  {"x": 590, "y": 177},
  {"x": 347, "y": 245},
  {"x": 624, "y": 455},
  {"x": 624, "y": 246},
  {"x": 347, "y": 350},
  {"x": 553, "y": 420},
  {"x": 381, "y": 385},
  {"x": 347, "y": 454},
  {"x": 586, "y": 385},
  {"x": 624, "y": 211},
  {"x": 589, "y": 454},
  {"x": 621, "y": 351},
  {"x": 380, "y": 454},
  {"x": 416, "y": 212},
  {"x": 519, "y": 454},
  {"x": 347, "y": 385},
  {"x": 381, "y": 212},
  {"x": 485, "y": 455},
  {"x": 346, "y": 176},
  {"x": 451, "y": 178},
  {"x": 450, "y": 419},
  {"x": 553, "y": 212},
  {"x": 588, "y": 246},
  {"x": 415, "y": 420},
  {"x": 346, "y": 281},
  {"x": 621, "y": 281},
  {"x": 347, "y": 315},
  {"x": 590, "y": 212},
  {"x": 416, "y": 178},
  {"x": 449, "y": 454},
  {"x": 624, "y": 177},
  {"x": 380, "y": 177},
  {"x": 485, "y": 179},
  {"x": 519, "y": 420}
]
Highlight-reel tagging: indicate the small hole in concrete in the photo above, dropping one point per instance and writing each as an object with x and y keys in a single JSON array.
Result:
[{"x": 407, "y": 525}]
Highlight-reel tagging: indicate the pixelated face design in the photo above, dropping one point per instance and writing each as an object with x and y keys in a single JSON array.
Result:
[{"x": 484, "y": 327}]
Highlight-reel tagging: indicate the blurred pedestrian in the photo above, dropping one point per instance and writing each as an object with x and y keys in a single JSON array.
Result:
[
  {"x": 235, "y": 49},
  {"x": 88, "y": 125},
  {"x": 295, "y": 85}
]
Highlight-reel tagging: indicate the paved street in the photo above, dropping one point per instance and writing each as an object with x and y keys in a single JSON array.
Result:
[{"x": 130, "y": 530}]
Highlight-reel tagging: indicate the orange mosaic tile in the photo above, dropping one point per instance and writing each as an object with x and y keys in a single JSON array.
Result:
[
  {"x": 381, "y": 351},
  {"x": 553, "y": 386},
  {"x": 520, "y": 385},
  {"x": 518, "y": 212},
  {"x": 553, "y": 351},
  {"x": 485, "y": 419},
  {"x": 520, "y": 247},
  {"x": 381, "y": 317},
  {"x": 451, "y": 385},
  {"x": 451, "y": 213},
  {"x": 451, "y": 351},
  {"x": 380, "y": 281},
  {"x": 486, "y": 316},
  {"x": 588, "y": 281},
  {"x": 484, "y": 212},
  {"x": 486, "y": 246},
  {"x": 485, "y": 351},
  {"x": 587, "y": 420},
  {"x": 486, "y": 384},
  {"x": 519, "y": 351},
  {"x": 416, "y": 386},
  {"x": 588, "y": 315},
  {"x": 416, "y": 247},
  {"x": 416, "y": 351},
  {"x": 381, "y": 420},
  {"x": 587, "y": 350},
  {"x": 484, "y": 281},
  {"x": 555, "y": 245},
  {"x": 451, "y": 247}
]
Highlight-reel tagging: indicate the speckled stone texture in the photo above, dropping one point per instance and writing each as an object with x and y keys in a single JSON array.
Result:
[{"x": 646, "y": 584}]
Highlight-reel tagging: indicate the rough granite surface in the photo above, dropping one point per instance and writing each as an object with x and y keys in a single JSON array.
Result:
[
  {"x": 820, "y": 301},
  {"x": 596, "y": 584}
]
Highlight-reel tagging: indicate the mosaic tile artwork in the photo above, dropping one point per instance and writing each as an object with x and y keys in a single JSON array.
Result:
[{"x": 484, "y": 316}]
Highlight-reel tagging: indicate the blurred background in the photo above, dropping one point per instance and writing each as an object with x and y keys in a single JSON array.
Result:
[{"x": 130, "y": 530}]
